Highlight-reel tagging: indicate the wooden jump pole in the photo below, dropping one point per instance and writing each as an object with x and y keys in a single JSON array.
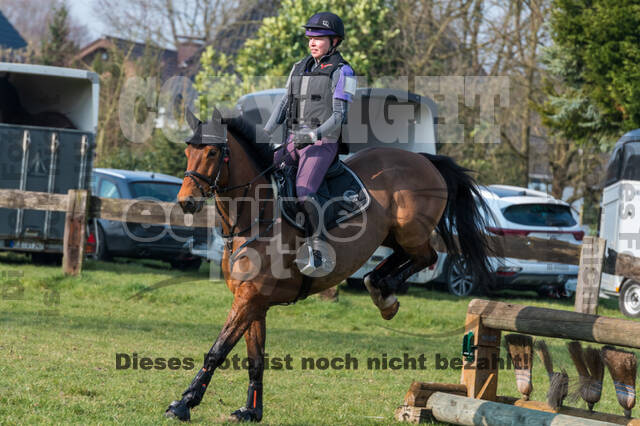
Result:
[
  {"x": 556, "y": 323},
  {"x": 461, "y": 410},
  {"x": 475, "y": 402},
  {"x": 487, "y": 319}
]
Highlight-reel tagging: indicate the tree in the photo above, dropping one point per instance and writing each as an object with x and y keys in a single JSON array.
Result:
[
  {"x": 31, "y": 19},
  {"x": 265, "y": 60},
  {"x": 112, "y": 147},
  {"x": 428, "y": 41},
  {"x": 592, "y": 88},
  {"x": 599, "y": 40},
  {"x": 578, "y": 128},
  {"x": 112, "y": 72},
  {"x": 498, "y": 38},
  {"x": 57, "y": 46},
  {"x": 603, "y": 38},
  {"x": 165, "y": 22},
  {"x": 279, "y": 42}
]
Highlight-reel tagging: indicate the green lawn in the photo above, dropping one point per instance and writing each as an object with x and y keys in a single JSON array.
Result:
[{"x": 60, "y": 335}]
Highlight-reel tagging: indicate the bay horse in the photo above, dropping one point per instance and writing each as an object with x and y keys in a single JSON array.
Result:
[{"x": 411, "y": 195}]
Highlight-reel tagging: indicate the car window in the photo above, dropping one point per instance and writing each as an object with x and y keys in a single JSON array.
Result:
[
  {"x": 631, "y": 160},
  {"x": 108, "y": 189},
  {"x": 163, "y": 191},
  {"x": 539, "y": 215}
]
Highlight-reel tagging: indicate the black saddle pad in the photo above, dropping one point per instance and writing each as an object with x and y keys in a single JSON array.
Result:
[{"x": 341, "y": 195}]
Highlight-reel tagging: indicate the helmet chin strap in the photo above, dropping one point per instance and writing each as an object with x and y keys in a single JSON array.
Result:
[{"x": 333, "y": 47}]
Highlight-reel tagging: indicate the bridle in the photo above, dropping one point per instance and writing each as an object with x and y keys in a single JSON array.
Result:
[
  {"x": 215, "y": 188},
  {"x": 214, "y": 182},
  {"x": 211, "y": 181}
]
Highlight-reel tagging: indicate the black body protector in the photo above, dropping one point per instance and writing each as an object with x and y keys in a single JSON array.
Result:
[{"x": 310, "y": 95}]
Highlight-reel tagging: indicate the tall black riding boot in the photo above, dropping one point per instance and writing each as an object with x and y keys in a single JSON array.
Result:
[{"x": 314, "y": 258}]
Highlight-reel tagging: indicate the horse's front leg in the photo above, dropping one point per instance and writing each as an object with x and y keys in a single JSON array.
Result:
[
  {"x": 248, "y": 306},
  {"x": 255, "y": 338}
]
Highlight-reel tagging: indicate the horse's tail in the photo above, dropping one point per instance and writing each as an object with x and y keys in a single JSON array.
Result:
[{"x": 463, "y": 216}]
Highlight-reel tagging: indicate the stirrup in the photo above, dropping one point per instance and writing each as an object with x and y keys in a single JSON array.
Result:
[{"x": 314, "y": 260}]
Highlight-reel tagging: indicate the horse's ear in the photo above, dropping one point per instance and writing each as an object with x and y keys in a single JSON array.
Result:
[
  {"x": 216, "y": 117},
  {"x": 192, "y": 120}
]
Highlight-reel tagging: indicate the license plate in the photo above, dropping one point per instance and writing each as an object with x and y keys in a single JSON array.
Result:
[
  {"x": 29, "y": 245},
  {"x": 564, "y": 236}
]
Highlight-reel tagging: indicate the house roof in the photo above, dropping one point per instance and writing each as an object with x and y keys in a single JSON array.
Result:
[
  {"x": 9, "y": 36},
  {"x": 168, "y": 57},
  {"x": 231, "y": 39}
]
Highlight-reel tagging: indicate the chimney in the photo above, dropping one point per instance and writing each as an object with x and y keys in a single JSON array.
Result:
[{"x": 186, "y": 50}]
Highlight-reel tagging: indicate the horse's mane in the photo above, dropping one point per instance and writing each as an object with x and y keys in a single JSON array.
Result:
[{"x": 253, "y": 140}]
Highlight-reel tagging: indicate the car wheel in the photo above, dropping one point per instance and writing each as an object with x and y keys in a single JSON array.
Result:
[
  {"x": 102, "y": 253},
  {"x": 629, "y": 300},
  {"x": 459, "y": 281}
]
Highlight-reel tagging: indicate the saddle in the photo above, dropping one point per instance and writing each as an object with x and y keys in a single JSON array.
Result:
[{"x": 341, "y": 195}]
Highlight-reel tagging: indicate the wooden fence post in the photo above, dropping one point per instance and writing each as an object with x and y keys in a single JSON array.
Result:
[
  {"x": 590, "y": 275},
  {"x": 74, "y": 231},
  {"x": 481, "y": 375}
]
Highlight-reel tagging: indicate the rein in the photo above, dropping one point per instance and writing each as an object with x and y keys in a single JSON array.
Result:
[{"x": 215, "y": 188}]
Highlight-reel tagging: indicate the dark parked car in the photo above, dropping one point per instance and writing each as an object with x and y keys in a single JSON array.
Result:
[{"x": 138, "y": 240}]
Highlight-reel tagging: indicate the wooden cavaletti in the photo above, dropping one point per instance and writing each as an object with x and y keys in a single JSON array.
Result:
[{"x": 471, "y": 401}]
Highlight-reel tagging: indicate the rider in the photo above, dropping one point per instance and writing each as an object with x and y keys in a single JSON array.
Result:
[{"x": 318, "y": 91}]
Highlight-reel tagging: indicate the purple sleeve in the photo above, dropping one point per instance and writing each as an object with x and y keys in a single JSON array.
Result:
[{"x": 339, "y": 92}]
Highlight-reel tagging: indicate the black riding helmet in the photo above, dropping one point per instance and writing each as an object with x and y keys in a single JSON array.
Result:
[{"x": 325, "y": 24}]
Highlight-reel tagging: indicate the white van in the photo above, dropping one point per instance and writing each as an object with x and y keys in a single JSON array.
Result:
[{"x": 619, "y": 220}]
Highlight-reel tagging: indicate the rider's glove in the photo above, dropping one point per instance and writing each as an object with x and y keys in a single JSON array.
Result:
[{"x": 303, "y": 138}]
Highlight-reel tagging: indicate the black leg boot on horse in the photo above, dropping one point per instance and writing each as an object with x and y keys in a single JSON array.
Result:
[
  {"x": 389, "y": 275},
  {"x": 385, "y": 300}
]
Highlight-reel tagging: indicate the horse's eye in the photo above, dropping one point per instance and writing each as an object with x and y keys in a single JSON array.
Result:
[{"x": 212, "y": 153}]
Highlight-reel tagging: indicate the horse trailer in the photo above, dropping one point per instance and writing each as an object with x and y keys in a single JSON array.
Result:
[
  {"x": 48, "y": 122},
  {"x": 619, "y": 223}
]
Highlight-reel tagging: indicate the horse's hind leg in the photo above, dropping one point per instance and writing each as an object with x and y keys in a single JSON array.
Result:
[
  {"x": 384, "y": 300},
  {"x": 392, "y": 272},
  {"x": 246, "y": 309},
  {"x": 412, "y": 264}
]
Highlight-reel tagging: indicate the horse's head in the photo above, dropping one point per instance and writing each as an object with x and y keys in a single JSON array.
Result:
[{"x": 207, "y": 153}]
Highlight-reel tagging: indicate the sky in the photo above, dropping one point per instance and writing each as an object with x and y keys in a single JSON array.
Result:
[{"x": 83, "y": 11}]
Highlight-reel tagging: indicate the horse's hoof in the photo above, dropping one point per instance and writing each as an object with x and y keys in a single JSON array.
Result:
[
  {"x": 178, "y": 410},
  {"x": 391, "y": 311},
  {"x": 245, "y": 414}
]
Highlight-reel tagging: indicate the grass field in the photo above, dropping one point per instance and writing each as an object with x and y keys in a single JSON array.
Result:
[{"x": 60, "y": 336}]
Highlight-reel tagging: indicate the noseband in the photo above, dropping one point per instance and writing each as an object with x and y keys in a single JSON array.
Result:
[{"x": 213, "y": 182}]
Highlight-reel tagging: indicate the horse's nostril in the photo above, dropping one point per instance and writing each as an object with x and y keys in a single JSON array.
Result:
[{"x": 188, "y": 205}]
